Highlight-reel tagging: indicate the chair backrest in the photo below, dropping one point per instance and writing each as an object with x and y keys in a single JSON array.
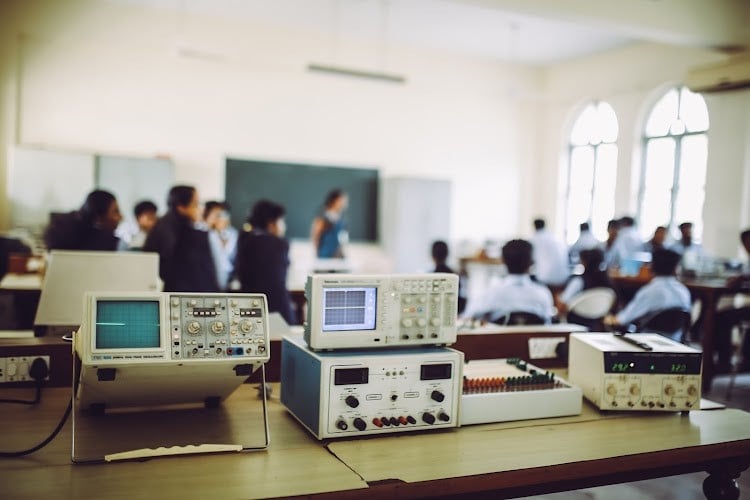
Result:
[
  {"x": 519, "y": 318},
  {"x": 673, "y": 322},
  {"x": 593, "y": 303}
]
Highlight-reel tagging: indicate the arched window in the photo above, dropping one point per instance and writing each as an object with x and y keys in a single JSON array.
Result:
[
  {"x": 675, "y": 152},
  {"x": 593, "y": 170}
]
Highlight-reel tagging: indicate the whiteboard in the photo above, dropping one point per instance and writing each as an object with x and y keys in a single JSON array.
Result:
[
  {"x": 41, "y": 181},
  {"x": 135, "y": 179}
]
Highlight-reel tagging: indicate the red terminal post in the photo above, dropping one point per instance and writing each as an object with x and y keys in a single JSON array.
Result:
[{"x": 377, "y": 422}]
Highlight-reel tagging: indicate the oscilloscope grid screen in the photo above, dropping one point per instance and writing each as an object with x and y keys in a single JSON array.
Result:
[
  {"x": 349, "y": 309},
  {"x": 127, "y": 324}
]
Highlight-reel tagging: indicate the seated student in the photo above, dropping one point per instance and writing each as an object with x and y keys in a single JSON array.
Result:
[
  {"x": 627, "y": 244},
  {"x": 263, "y": 257},
  {"x": 686, "y": 244},
  {"x": 133, "y": 235},
  {"x": 664, "y": 291},
  {"x": 223, "y": 239},
  {"x": 657, "y": 240},
  {"x": 185, "y": 261},
  {"x": 515, "y": 292},
  {"x": 92, "y": 227},
  {"x": 728, "y": 318},
  {"x": 439, "y": 257},
  {"x": 613, "y": 228},
  {"x": 594, "y": 276}
]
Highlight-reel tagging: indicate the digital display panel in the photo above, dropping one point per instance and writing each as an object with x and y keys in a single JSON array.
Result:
[
  {"x": 661, "y": 363},
  {"x": 436, "y": 372},
  {"x": 349, "y": 376},
  {"x": 349, "y": 309},
  {"x": 127, "y": 324}
]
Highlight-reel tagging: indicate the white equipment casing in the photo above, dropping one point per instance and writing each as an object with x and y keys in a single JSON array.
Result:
[
  {"x": 144, "y": 349},
  {"x": 355, "y": 393},
  {"x": 617, "y": 374},
  {"x": 373, "y": 311},
  {"x": 502, "y": 390}
]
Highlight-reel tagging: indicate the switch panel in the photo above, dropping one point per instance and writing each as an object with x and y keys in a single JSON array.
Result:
[{"x": 16, "y": 368}]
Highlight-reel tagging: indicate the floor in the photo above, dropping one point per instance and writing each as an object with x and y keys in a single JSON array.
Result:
[{"x": 685, "y": 487}]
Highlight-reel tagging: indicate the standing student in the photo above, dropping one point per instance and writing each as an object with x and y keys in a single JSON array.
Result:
[
  {"x": 185, "y": 260},
  {"x": 628, "y": 243},
  {"x": 328, "y": 231},
  {"x": 92, "y": 227},
  {"x": 223, "y": 240},
  {"x": 550, "y": 256},
  {"x": 586, "y": 241},
  {"x": 263, "y": 257}
]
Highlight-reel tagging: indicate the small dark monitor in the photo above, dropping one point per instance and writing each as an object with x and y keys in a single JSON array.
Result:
[{"x": 127, "y": 324}]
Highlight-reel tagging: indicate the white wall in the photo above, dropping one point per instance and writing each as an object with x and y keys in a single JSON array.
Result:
[
  {"x": 107, "y": 79},
  {"x": 631, "y": 80}
]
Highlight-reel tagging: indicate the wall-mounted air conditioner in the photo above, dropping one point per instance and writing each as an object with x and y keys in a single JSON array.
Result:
[{"x": 730, "y": 75}]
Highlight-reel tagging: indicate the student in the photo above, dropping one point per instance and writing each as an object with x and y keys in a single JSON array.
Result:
[
  {"x": 92, "y": 227},
  {"x": 263, "y": 257},
  {"x": 613, "y": 228},
  {"x": 550, "y": 256},
  {"x": 515, "y": 292},
  {"x": 133, "y": 235},
  {"x": 686, "y": 244},
  {"x": 440, "y": 257},
  {"x": 586, "y": 241},
  {"x": 223, "y": 240},
  {"x": 328, "y": 231},
  {"x": 664, "y": 291},
  {"x": 628, "y": 243},
  {"x": 657, "y": 240},
  {"x": 594, "y": 276},
  {"x": 185, "y": 261},
  {"x": 728, "y": 318}
]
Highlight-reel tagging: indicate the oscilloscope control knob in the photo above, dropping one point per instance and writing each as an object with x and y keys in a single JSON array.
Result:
[
  {"x": 437, "y": 396},
  {"x": 194, "y": 328},
  {"x": 635, "y": 390},
  {"x": 692, "y": 391},
  {"x": 669, "y": 390},
  {"x": 340, "y": 424},
  {"x": 352, "y": 401},
  {"x": 443, "y": 417},
  {"x": 428, "y": 418},
  {"x": 217, "y": 327},
  {"x": 421, "y": 322},
  {"x": 246, "y": 325},
  {"x": 359, "y": 424},
  {"x": 406, "y": 322},
  {"x": 435, "y": 322}
]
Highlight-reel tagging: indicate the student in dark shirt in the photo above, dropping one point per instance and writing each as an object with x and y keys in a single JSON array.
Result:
[
  {"x": 440, "y": 257},
  {"x": 92, "y": 227},
  {"x": 185, "y": 260},
  {"x": 263, "y": 257}
]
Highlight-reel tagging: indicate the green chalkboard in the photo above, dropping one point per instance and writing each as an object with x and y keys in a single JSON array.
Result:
[{"x": 302, "y": 189}]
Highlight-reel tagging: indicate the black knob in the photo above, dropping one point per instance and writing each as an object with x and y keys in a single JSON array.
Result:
[
  {"x": 411, "y": 419},
  {"x": 386, "y": 421},
  {"x": 437, "y": 396},
  {"x": 443, "y": 416},
  {"x": 428, "y": 418},
  {"x": 394, "y": 421},
  {"x": 359, "y": 424},
  {"x": 342, "y": 425},
  {"x": 352, "y": 401},
  {"x": 394, "y": 397}
]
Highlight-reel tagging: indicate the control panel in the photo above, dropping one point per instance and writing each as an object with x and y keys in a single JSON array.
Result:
[
  {"x": 640, "y": 371},
  {"x": 371, "y": 392},
  {"x": 362, "y": 311},
  {"x": 218, "y": 327}
]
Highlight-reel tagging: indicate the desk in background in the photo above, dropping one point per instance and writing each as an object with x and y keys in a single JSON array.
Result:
[
  {"x": 508, "y": 459},
  {"x": 19, "y": 297}
]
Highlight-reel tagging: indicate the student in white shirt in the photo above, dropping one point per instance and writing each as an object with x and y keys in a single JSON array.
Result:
[
  {"x": 664, "y": 291},
  {"x": 550, "y": 256},
  {"x": 586, "y": 241},
  {"x": 628, "y": 243},
  {"x": 515, "y": 292}
]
